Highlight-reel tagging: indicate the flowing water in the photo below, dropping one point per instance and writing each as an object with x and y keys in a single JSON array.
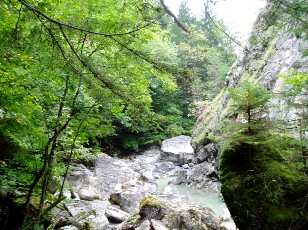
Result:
[{"x": 207, "y": 199}]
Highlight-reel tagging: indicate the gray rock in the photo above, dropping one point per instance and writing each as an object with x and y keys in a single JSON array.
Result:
[
  {"x": 127, "y": 182},
  {"x": 226, "y": 221},
  {"x": 88, "y": 212},
  {"x": 84, "y": 183},
  {"x": 204, "y": 176},
  {"x": 116, "y": 215},
  {"x": 173, "y": 214},
  {"x": 208, "y": 153},
  {"x": 113, "y": 171},
  {"x": 181, "y": 177},
  {"x": 129, "y": 200},
  {"x": 69, "y": 227},
  {"x": 151, "y": 161},
  {"x": 146, "y": 225},
  {"x": 178, "y": 150},
  {"x": 158, "y": 225},
  {"x": 88, "y": 192}
]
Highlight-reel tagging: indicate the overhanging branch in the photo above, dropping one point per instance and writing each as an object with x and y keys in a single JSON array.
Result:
[
  {"x": 40, "y": 13},
  {"x": 176, "y": 20}
]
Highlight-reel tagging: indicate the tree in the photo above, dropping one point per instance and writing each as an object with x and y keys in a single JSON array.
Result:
[
  {"x": 260, "y": 186},
  {"x": 205, "y": 54},
  {"x": 296, "y": 97},
  {"x": 69, "y": 69},
  {"x": 248, "y": 106}
]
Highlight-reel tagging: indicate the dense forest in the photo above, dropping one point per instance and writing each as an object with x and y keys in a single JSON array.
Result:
[
  {"x": 83, "y": 77},
  {"x": 78, "y": 78}
]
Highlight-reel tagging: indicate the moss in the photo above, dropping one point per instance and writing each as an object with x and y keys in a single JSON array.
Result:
[
  {"x": 281, "y": 215},
  {"x": 134, "y": 218},
  {"x": 88, "y": 226},
  {"x": 264, "y": 195},
  {"x": 291, "y": 179},
  {"x": 270, "y": 49},
  {"x": 150, "y": 201},
  {"x": 246, "y": 77},
  {"x": 209, "y": 116}
]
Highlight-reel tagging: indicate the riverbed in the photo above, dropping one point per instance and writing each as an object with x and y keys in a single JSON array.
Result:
[{"x": 208, "y": 199}]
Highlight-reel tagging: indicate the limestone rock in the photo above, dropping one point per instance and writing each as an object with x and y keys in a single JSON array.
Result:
[
  {"x": 116, "y": 215},
  {"x": 226, "y": 221},
  {"x": 84, "y": 183},
  {"x": 158, "y": 225},
  {"x": 174, "y": 214},
  {"x": 146, "y": 225},
  {"x": 129, "y": 199},
  {"x": 208, "y": 153},
  {"x": 113, "y": 171},
  {"x": 83, "y": 213},
  {"x": 68, "y": 227},
  {"x": 204, "y": 176},
  {"x": 178, "y": 150},
  {"x": 181, "y": 177},
  {"x": 150, "y": 161}
]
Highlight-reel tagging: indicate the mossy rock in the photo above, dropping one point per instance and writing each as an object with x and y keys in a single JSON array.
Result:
[
  {"x": 268, "y": 193},
  {"x": 176, "y": 214},
  {"x": 88, "y": 226}
]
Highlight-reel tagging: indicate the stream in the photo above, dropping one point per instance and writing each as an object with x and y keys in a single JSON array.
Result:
[{"x": 205, "y": 198}]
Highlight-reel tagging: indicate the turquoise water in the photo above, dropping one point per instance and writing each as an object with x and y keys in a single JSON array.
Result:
[{"x": 207, "y": 199}]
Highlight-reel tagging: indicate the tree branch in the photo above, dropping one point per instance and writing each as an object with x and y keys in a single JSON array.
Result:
[
  {"x": 176, "y": 20},
  {"x": 40, "y": 13},
  {"x": 108, "y": 84}
]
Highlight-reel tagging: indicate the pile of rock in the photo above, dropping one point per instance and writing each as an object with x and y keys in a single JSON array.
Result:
[{"x": 122, "y": 193}]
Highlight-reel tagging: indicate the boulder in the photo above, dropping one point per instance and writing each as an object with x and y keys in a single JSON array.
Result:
[
  {"x": 226, "y": 221},
  {"x": 111, "y": 172},
  {"x": 173, "y": 214},
  {"x": 208, "y": 153},
  {"x": 84, "y": 183},
  {"x": 158, "y": 225},
  {"x": 178, "y": 150},
  {"x": 129, "y": 200},
  {"x": 151, "y": 161},
  {"x": 181, "y": 177},
  {"x": 204, "y": 176},
  {"x": 81, "y": 214},
  {"x": 68, "y": 227},
  {"x": 145, "y": 225},
  {"x": 116, "y": 215}
]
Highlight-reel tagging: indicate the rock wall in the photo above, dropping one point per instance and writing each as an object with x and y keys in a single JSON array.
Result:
[
  {"x": 263, "y": 61},
  {"x": 257, "y": 64}
]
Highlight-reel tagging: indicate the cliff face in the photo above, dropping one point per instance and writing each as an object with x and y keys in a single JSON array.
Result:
[
  {"x": 267, "y": 194},
  {"x": 257, "y": 64}
]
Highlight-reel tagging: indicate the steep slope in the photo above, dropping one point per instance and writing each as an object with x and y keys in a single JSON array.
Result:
[{"x": 268, "y": 190}]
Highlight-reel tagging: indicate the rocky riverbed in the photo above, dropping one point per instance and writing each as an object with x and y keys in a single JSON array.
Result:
[{"x": 123, "y": 193}]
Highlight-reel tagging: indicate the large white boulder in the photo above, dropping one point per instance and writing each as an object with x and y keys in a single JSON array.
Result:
[{"x": 178, "y": 150}]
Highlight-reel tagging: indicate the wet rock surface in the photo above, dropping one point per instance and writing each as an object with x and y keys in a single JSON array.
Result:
[
  {"x": 174, "y": 214},
  {"x": 112, "y": 192}
]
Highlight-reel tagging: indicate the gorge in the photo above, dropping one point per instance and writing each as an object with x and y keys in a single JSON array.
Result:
[
  {"x": 115, "y": 189},
  {"x": 112, "y": 116}
]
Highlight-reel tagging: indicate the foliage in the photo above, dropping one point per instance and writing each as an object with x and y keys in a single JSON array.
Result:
[
  {"x": 295, "y": 96},
  {"x": 250, "y": 125},
  {"x": 269, "y": 184},
  {"x": 69, "y": 71},
  {"x": 205, "y": 54},
  {"x": 74, "y": 74},
  {"x": 257, "y": 167}
]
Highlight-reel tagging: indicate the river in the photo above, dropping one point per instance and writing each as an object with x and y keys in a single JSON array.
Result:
[{"x": 208, "y": 199}]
